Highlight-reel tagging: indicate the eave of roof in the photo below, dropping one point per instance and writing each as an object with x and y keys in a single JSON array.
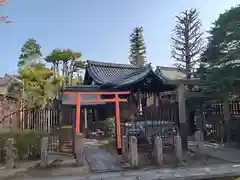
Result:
[{"x": 88, "y": 88}]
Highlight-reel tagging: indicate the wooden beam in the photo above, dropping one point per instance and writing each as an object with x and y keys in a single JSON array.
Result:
[
  {"x": 185, "y": 81},
  {"x": 99, "y": 93},
  {"x": 97, "y": 100},
  {"x": 78, "y": 110},
  {"x": 118, "y": 126}
]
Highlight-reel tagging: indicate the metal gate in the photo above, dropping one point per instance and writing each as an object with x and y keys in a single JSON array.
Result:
[{"x": 214, "y": 126}]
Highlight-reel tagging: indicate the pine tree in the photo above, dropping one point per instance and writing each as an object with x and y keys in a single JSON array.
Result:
[
  {"x": 220, "y": 67},
  {"x": 137, "y": 47}
]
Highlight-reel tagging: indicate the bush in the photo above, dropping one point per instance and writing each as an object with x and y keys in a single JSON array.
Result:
[{"x": 27, "y": 143}]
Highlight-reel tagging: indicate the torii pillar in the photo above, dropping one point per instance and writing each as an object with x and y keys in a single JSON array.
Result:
[
  {"x": 184, "y": 128},
  {"x": 182, "y": 115}
]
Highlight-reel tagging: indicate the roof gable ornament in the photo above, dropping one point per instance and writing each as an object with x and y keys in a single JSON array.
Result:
[{"x": 148, "y": 81}]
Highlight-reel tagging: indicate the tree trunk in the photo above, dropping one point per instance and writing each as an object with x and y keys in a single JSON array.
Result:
[
  {"x": 71, "y": 78},
  {"x": 65, "y": 73}
]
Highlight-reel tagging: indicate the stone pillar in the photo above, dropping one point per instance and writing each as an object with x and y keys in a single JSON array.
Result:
[
  {"x": 182, "y": 115},
  {"x": 198, "y": 137},
  {"x": 10, "y": 153},
  {"x": 125, "y": 148},
  {"x": 85, "y": 122},
  {"x": 178, "y": 147},
  {"x": 134, "y": 151},
  {"x": 159, "y": 150},
  {"x": 79, "y": 145},
  {"x": 44, "y": 152}
]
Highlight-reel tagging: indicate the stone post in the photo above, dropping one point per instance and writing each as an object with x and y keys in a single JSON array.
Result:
[
  {"x": 198, "y": 136},
  {"x": 44, "y": 152},
  {"x": 134, "y": 151},
  {"x": 159, "y": 150},
  {"x": 85, "y": 122},
  {"x": 10, "y": 154},
  {"x": 178, "y": 147},
  {"x": 129, "y": 148},
  {"x": 79, "y": 145},
  {"x": 125, "y": 148}
]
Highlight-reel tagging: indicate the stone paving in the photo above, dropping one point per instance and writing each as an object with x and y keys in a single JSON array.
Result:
[
  {"x": 102, "y": 161},
  {"x": 99, "y": 160},
  {"x": 217, "y": 151},
  {"x": 215, "y": 171}
]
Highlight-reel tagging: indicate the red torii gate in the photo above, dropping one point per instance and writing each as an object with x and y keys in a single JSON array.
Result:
[{"x": 116, "y": 99}]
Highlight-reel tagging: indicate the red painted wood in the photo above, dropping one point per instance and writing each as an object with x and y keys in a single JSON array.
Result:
[
  {"x": 118, "y": 121},
  {"x": 99, "y": 93},
  {"x": 97, "y": 100},
  {"x": 78, "y": 110}
]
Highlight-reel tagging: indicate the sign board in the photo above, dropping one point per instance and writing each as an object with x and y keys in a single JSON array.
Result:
[{"x": 70, "y": 99}]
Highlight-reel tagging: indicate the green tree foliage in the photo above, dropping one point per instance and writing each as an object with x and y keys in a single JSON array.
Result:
[
  {"x": 38, "y": 85},
  {"x": 220, "y": 65},
  {"x": 187, "y": 41},
  {"x": 137, "y": 47},
  {"x": 30, "y": 52},
  {"x": 36, "y": 82},
  {"x": 65, "y": 62}
]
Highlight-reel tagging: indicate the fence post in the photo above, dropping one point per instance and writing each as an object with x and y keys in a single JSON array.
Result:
[
  {"x": 125, "y": 148},
  {"x": 79, "y": 145},
  {"x": 159, "y": 150},
  {"x": 134, "y": 151},
  {"x": 10, "y": 153},
  {"x": 44, "y": 152},
  {"x": 178, "y": 147}
]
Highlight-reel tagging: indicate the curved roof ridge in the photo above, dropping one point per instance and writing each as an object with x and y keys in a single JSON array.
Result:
[
  {"x": 141, "y": 69},
  {"x": 123, "y": 77},
  {"x": 112, "y": 65},
  {"x": 169, "y": 68}
]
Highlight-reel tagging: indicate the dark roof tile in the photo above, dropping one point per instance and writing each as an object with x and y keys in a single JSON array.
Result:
[
  {"x": 118, "y": 75},
  {"x": 111, "y": 65},
  {"x": 108, "y": 73}
]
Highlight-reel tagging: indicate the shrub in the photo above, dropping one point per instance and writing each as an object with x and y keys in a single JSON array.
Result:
[{"x": 27, "y": 143}]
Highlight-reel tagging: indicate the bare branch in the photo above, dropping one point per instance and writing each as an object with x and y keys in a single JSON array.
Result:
[{"x": 187, "y": 41}]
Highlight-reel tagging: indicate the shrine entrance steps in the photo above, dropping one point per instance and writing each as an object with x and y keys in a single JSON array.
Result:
[{"x": 98, "y": 158}]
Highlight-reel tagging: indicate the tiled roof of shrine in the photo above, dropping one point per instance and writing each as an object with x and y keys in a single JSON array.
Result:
[
  {"x": 107, "y": 73},
  {"x": 118, "y": 75}
]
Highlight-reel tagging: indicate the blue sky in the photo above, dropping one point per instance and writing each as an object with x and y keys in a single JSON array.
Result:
[{"x": 99, "y": 29}]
